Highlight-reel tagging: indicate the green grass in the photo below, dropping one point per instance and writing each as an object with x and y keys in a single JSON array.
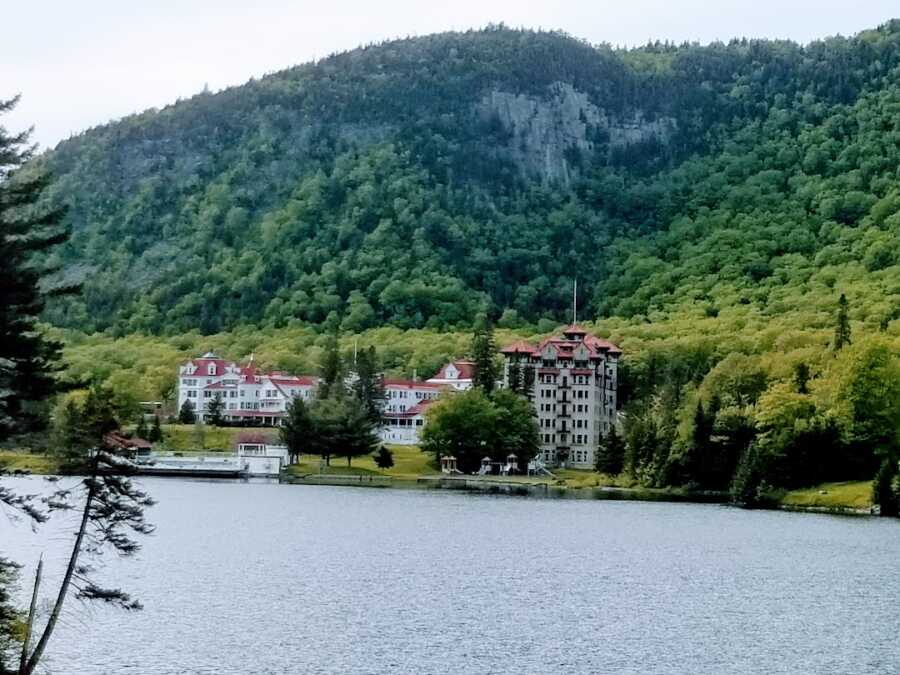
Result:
[
  {"x": 585, "y": 478},
  {"x": 854, "y": 495},
  {"x": 409, "y": 462},
  {"x": 14, "y": 460},
  {"x": 185, "y": 437}
]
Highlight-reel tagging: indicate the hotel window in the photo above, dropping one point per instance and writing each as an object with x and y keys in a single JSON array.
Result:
[{"x": 211, "y": 369}]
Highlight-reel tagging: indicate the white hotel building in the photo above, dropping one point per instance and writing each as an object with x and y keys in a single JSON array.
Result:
[
  {"x": 247, "y": 392},
  {"x": 251, "y": 394}
]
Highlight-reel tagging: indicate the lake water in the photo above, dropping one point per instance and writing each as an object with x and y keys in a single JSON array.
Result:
[{"x": 266, "y": 578}]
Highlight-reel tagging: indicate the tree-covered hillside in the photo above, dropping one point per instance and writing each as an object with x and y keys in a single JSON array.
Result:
[{"x": 419, "y": 182}]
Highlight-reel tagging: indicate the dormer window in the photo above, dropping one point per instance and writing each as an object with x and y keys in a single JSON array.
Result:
[{"x": 211, "y": 369}]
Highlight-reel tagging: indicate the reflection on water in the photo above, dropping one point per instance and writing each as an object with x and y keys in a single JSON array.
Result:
[{"x": 266, "y": 578}]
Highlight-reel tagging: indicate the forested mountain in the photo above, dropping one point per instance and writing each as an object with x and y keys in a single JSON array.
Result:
[{"x": 418, "y": 182}]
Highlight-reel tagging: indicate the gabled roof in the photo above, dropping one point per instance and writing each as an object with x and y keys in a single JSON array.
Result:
[
  {"x": 520, "y": 347},
  {"x": 417, "y": 409},
  {"x": 219, "y": 385},
  {"x": 119, "y": 441},
  {"x": 600, "y": 343},
  {"x": 464, "y": 367},
  {"x": 294, "y": 381},
  {"x": 202, "y": 366}
]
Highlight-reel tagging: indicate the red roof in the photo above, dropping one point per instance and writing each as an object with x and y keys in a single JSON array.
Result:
[
  {"x": 600, "y": 343},
  {"x": 202, "y": 365},
  {"x": 565, "y": 346},
  {"x": 410, "y": 384},
  {"x": 249, "y": 373},
  {"x": 294, "y": 381},
  {"x": 417, "y": 409},
  {"x": 121, "y": 442},
  {"x": 465, "y": 368},
  {"x": 520, "y": 347}
]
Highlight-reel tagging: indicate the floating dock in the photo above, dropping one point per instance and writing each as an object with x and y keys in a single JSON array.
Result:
[{"x": 201, "y": 467}]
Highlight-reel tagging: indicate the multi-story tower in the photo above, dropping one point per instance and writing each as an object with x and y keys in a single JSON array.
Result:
[{"x": 572, "y": 381}]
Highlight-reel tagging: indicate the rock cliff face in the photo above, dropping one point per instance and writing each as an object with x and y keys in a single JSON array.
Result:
[{"x": 547, "y": 134}]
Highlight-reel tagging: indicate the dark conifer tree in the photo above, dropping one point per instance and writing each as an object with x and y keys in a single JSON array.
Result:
[
  {"x": 369, "y": 384},
  {"x": 216, "y": 410},
  {"x": 842, "y": 324},
  {"x": 484, "y": 355},
  {"x": 186, "y": 414},
  {"x": 883, "y": 493},
  {"x": 610, "y": 457},
  {"x": 384, "y": 458},
  {"x": 801, "y": 378},
  {"x": 29, "y": 360},
  {"x": 528, "y": 377},
  {"x": 141, "y": 429},
  {"x": 514, "y": 376},
  {"x": 331, "y": 371},
  {"x": 155, "y": 433},
  {"x": 298, "y": 432}
]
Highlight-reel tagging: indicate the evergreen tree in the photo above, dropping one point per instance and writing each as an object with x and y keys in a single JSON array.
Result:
[
  {"x": 701, "y": 464},
  {"x": 484, "y": 356},
  {"x": 141, "y": 429},
  {"x": 528, "y": 378},
  {"x": 186, "y": 413},
  {"x": 801, "y": 378},
  {"x": 610, "y": 458},
  {"x": 514, "y": 376},
  {"x": 842, "y": 324},
  {"x": 111, "y": 512},
  {"x": 216, "y": 409},
  {"x": 748, "y": 479},
  {"x": 883, "y": 493},
  {"x": 29, "y": 360},
  {"x": 298, "y": 431},
  {"x": 155, "y": 435},
  {"x": 331, "y": 371},
  {"x": 384, "y": 458},
  {"x": 368, "y": 387},
  {"x": 342, "y": 429}
]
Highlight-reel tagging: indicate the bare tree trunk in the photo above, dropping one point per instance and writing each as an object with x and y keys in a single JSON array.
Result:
[
  {"x": 29, "y": 627},
  {"x": 67, "y": 579}
]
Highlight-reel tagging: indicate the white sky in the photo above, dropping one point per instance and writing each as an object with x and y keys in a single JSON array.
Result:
[{"x": 79, "y": 63}]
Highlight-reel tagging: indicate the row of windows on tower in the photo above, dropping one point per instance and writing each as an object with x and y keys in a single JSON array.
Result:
[{"x": 577, "y": 439}]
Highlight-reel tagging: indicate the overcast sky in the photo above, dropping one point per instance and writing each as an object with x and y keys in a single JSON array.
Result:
[{"x": 81, "y": 63}]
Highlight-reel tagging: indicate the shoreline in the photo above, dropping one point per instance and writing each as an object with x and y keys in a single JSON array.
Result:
[
  {"x": 537, "y": 487},
  {"x": 548, "y": 490}
]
